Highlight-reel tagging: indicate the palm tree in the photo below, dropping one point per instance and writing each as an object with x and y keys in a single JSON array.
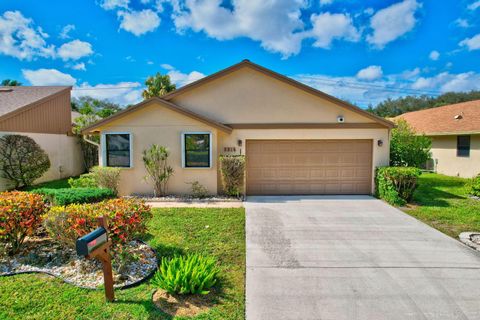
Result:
[
  {"x": 158, "y": 85},
  {"x": 11, "y": 83}
]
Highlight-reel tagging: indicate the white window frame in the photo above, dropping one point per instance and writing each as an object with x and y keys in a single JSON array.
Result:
[
  {"x": 103, "y": 140},
  {"x": 209, "y": 149}
]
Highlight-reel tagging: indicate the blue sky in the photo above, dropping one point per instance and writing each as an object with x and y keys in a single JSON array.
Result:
[{"x": 362, "y": 51}]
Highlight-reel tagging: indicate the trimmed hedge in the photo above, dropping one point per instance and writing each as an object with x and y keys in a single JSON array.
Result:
[
  {"x": 84, "y": 181},
  {"x": 65, "y": 196},
  {"x": 396, "y": 184},
  {"x": 475, "y": 186}
]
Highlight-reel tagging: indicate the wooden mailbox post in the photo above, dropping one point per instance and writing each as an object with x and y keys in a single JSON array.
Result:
[{"x": 96, "y": 245}]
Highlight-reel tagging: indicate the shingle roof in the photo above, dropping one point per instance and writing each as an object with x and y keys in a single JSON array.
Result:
[
  {"x": 14, "y": 98},
  {"x": 451, "y": 119}
]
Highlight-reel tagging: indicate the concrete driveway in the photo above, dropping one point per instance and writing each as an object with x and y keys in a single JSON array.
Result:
[{"x": 353, "y": 257}]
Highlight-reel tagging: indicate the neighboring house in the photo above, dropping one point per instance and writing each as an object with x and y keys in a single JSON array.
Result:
[
  {"x": 297, "y": 140},
  {"x": 44, "y": 114},
  {"x": 455, "y": 134}
]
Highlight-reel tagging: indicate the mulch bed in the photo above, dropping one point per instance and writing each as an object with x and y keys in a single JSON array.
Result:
[
  {"x": 183, "y": 305},
  {"x": 41, "y": 254}
]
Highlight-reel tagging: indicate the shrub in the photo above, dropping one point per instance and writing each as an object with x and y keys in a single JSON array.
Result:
[
  {"x": 20, "y": 215},
  {"x": 64, "y": 196},
  {"x": 155, "y": 161},
  {"x": 475, "y": 186},
  {"x": 107, "y": 177},
  {"x": 198, "y": 190},
  {"x": 22, "y": 161},
  {"x": 407, "y": 149},
  {"x": 396, "y": 184},
  {"x": 84, "y": 181},
  {"x": 191, "y": 274},
  {"x": 127, "y": 219},
  {"x": 232, "y": 169}
]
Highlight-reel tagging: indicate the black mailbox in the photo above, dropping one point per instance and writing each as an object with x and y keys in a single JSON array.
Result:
[{"x": 93, "y": 240}]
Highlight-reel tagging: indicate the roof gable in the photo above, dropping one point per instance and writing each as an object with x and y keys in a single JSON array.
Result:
[
  {"x": 178, "y": 95},
  {"x": 98, "y": 125}
]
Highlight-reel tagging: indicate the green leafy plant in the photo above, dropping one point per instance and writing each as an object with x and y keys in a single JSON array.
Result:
[
  {"x": 64, "y": 196},
  {"x": 127, "y": 219},
  {"x": 84, "y": 181},
  {"x": 475, "y": 186},
  {"x": 20, "y": 215},
  {"x": 232, "y": 169},
  {"x": 396, "y": 184},
  {"x": 407, "y": 148},
  {"x": 22, "y": 160},
  {"x": 190, "y": 274},
  {"x": 107, "y": 177},
  {"x": 155, "y": 161},
  {"x": 198, "y": 190}
]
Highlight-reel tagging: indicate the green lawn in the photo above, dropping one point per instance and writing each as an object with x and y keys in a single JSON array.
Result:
[
  {"x": 219, "y": 232},
  {"x": 55, "y": 184},
  {"x": 443, "y": 203}
]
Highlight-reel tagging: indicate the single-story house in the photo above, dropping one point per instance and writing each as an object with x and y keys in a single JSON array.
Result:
[
  {"x": 44, "y": 114},
  {"x": 296, "y": 139},
  {"x": 455, "y": 133}
]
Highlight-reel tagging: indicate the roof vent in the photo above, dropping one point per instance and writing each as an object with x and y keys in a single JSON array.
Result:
[
  {"x": 6, "y": 89},
  {"x": 458, "y": 117}
]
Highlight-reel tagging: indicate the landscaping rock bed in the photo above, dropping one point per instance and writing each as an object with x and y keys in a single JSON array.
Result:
[
  {"x": 45, "y": 256},
  {"x": 471, "y": 239}
]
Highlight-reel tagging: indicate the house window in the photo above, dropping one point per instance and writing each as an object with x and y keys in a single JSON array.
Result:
[
  {"x": 463, "y": 146},
  {"x": 197, "y": 150},
  {"x": 117, "y": 150}
]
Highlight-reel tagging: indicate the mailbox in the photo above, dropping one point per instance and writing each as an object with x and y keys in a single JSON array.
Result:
[{"x": 89, "y": 242}]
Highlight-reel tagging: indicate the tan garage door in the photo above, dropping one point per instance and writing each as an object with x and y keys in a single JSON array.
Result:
[{"x": 309, "y": 167}]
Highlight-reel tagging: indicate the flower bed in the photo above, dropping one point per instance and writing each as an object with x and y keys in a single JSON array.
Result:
[{"x": 46, "y": 256}]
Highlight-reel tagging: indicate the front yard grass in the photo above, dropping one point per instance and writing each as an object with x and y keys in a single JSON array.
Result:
[
  {"x": 217, "y": 232},
  {"x": 443, "y": 203}
]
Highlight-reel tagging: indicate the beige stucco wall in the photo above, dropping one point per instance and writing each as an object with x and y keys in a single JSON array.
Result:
[
  {"x": 444, "y": 152},
  {"x": 380, "y": 155},
  {"x": 249, "y": 96},
  {"x": 63, "y": 151},
  {"x": 155, "y": 124}
]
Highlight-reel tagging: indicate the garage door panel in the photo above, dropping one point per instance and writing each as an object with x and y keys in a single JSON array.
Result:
[{"x": 309, "y": 167}]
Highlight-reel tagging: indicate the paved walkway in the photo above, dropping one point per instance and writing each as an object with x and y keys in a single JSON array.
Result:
[{"x": 353, "y": 257}]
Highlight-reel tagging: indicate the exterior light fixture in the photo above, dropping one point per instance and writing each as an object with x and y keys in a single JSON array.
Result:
[{"x": 380, "y": 143}]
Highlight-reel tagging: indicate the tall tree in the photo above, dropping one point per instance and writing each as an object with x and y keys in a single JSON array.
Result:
[
  {"x": 158, "y": 85},
  {"x": 11, "y": 83},
  {"x": 395, "y": 107}
]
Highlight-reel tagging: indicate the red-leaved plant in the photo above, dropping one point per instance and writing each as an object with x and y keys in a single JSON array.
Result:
[{"x": 20, "y": 215}]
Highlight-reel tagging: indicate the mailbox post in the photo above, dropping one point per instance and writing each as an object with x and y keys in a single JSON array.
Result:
[{"x": 96, "y": 245}]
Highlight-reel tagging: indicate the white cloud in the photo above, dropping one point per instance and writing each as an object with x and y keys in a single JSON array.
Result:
[
  {"x": 167, "y": 66},
  {"x": 472, "y": 43},
  {"x": 434, "y": 55},
  {"x": 462, "y": 23},
  {"x": 114, "y": 4},
  {"x": 74, "y": 50},
  {"x": 446, "y": 82},
  {"x": 64, "y": 34},
  {"x": 79, "y": 66},
  {"x": 325, "y": 2},
  {"x": 370, "y": 73},
  {"x": 392, "y": 22},
  {"x": 138, "y": 22},
  {"x": 276, "y": 24},
  {"x": 48, "y": 77},
  {"x": 180, "y": 79},
  {"x": 20, "y": 38},
  {"x": 123, "y": 93},
  {"x": 474, "y": 6},
  {"x": 327, "y": 27}
]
